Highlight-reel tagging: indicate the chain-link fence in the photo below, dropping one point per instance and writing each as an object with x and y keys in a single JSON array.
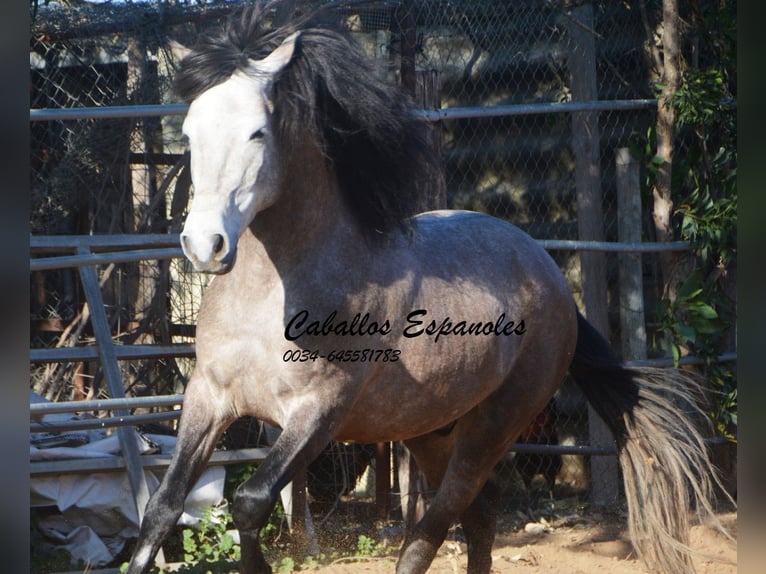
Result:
[{"x": 519, "y": 162}]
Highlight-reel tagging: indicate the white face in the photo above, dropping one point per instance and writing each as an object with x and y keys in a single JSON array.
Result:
[{"x": 233, "y": 164}]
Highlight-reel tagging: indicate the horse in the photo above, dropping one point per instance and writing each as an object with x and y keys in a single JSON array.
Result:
[{"x": 336, "y": 313}]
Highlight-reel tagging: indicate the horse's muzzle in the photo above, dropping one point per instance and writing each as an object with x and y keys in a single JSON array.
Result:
[{"x": 209, "y": 253}]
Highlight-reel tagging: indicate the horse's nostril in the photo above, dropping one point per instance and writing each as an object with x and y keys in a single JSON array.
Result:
[{"x": 218, "y": 244}]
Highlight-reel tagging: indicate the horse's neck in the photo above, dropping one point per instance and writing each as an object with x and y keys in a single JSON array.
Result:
[{"x": 308, "y": 218}]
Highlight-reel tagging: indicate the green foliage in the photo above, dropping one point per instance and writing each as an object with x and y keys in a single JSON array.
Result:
[
  {"x": 711, "y": 226},
  {"x": 704, "y": 192},
  {"x": 642, "y": 147},
  {"x": 705, "y": 195},
  {"x": 236, "y": 474},
  {"x": 689, "y": 320},
  {"x": 273, "y": 527},
  {"x": 693, "y": 320},
  {"x": 701, "y": 100},
  {"x": 209, "y": 548},
  {"x": 312, "y": 562},
  {"x": 285, "y": 566},
  {"x": 365, "y": 545},
  {"x": 726, "y": 414},
  {"x": 707, "y": 208}
]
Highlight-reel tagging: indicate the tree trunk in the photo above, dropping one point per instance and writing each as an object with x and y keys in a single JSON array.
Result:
[{"x": 662, "y": 211}]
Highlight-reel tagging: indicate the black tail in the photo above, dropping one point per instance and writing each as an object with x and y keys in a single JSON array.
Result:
[{"x": 654, "y": 415}]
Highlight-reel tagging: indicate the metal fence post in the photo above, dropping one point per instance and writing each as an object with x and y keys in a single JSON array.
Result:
[{"x": 108, "y": 357}]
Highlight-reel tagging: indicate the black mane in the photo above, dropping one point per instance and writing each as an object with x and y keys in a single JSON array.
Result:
[{"x": 330, "y": 91}]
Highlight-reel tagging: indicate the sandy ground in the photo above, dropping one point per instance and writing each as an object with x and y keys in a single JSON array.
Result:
[{"x": 568, "y": 545}]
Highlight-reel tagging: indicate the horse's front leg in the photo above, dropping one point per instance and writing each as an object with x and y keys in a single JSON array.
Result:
[
  {"x": 202, "y": 422},
  {"x": 301, "y": 441}
]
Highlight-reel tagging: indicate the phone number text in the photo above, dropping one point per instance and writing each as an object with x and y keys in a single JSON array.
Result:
[{"x": 349, "y": 356}]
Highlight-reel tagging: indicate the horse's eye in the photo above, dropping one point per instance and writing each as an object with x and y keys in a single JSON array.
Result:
[{"x": 257, "y": 134}]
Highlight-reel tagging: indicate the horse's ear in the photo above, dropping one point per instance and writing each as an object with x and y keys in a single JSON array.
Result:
[
  {"x": 279, "y": 58},
  {"x": 178, "y": 50}
]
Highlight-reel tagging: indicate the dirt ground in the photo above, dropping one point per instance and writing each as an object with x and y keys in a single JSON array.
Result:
[{"x": 565, "y": 545}]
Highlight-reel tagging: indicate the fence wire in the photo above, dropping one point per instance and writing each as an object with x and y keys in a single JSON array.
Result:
[{"x": 130, "y": 175}]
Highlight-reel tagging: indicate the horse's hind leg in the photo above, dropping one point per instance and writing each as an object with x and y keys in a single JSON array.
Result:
[
  {"x": 200, "y": 427},
  {"x": 461, "y": 466},
  {"x": 471, "y": 500}
]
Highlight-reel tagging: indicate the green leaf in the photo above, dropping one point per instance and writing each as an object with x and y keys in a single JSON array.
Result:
[
  {"x": 689, "y": 289},
  {"x": 686, "y": 332},
  {"x": 703, "y": 310}
]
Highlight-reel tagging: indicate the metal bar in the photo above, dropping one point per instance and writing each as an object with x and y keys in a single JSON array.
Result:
[
  {"x": 127, "y": 438},
  {"x": 613, "y": 246},
  {"x": 111, "y": 242},
  {"x": 65, "y": 261},
  {"x": 668, "y": 361},
  {"x": 562, "y": 449},
  {"x": 458, "y": 113},
  {"x": 123, "y": 352},
  {"x": 462, "y": 113},
  {"x": 159, "y": 242},
  {"x": 525, "y": 448},
  {"x": 118, "y": 422},
  {"x": 106, "y": 112},
  {"x": 148, "y": 462},
  {"x": 105, "y": 404}
]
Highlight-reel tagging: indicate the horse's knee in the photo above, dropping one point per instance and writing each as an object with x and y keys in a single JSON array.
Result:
[{"x": 252, "y": 506}]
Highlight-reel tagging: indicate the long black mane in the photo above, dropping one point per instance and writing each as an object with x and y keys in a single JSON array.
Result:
[{"x": 331, "y": 92}]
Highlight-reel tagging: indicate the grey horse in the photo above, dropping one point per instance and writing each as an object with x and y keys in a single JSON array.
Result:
[{"x": 337, "y": 315}]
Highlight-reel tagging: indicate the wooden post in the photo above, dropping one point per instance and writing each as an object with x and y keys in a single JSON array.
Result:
[
  {"x": 408, "y": 30},
  {"x": 586, "y": 150},
  {"x": 146, "y": 139},
  {"x": 382, "y": 478},
  {"x": 428, "y": 97},
  {"x": 632, "y": 325},
  {"x": 413, "y": 485}
]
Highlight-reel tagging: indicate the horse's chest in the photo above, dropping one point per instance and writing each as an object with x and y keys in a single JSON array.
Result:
[{"x": 240, "y": 328}]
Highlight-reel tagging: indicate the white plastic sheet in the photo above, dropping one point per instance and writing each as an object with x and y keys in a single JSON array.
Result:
[{"x": 96, "y": 513}]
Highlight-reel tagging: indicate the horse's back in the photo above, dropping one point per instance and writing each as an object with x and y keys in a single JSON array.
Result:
[{"x": 495, "y": 244}]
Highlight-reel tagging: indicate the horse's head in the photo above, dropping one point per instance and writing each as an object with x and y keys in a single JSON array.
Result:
[{"x": 233, "y": 160}]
